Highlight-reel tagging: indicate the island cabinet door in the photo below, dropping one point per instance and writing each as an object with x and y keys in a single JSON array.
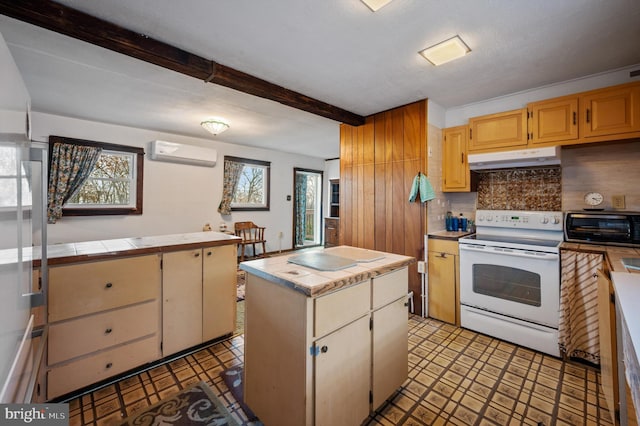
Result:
[
  {"x": 390, "y": 352},
  {"x": 181, "y": 300},
  {"x": 343, "y": 375}
]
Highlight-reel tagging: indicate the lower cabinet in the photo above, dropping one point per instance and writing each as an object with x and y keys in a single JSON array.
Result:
[
  {"x": 110, "y": 316},
  {"x": 444, "y": 281},
  {"x": 198, "y": 296},
  {"x": 608, "y": 346},
  {"x": 328, "y": 360},
  {"x": 331, "y": 231},
  {"x": 103, "y": 320}
]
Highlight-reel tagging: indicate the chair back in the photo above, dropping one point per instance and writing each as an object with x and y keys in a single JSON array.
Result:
[{"x": 249, "y": 231}]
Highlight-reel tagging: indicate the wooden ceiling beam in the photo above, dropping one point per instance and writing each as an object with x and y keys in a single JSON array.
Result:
[{"x": 73, "y": 23}]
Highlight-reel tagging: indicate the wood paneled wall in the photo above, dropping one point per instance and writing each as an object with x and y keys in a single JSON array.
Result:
[{"x": 378, "y": 162}]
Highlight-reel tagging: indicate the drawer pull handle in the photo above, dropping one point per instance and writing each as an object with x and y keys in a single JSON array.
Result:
[
  {"x": 324, "y": 349},
  {"x": 109, "y": 285},
  {"x": 107, "y": 331},
  {"x": 109, "y": 365},
  {"x": 209, "y": 253},
  {"x": 197, "y": 254}
]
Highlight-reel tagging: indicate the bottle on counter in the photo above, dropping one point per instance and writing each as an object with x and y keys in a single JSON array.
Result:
[
  {"x": 462, "y": 223},
  {"x": 455, "y": 223},
  {"x": 447, "y": 222}
]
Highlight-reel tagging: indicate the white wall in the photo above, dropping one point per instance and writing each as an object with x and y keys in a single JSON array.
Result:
[
  {"x": 460, "y": 115},
  {"x": 178, "y": 198}
]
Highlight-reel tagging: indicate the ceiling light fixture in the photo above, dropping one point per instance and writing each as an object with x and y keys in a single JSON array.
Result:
[
  {"x": 445, "y": 51},
  {"x": 374, "y": 5},
  {"x": 215, "y": 125}
]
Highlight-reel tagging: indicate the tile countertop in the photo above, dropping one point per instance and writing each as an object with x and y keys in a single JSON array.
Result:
[
  {"x": 627, "y": 289},
  {"x": 614, "y": 254},
  {"x": 104, "y": 249},
  {"x": 312, "y": 282}
]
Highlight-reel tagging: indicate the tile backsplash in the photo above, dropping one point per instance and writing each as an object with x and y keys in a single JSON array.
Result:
[{"x": 538, "y": 189}]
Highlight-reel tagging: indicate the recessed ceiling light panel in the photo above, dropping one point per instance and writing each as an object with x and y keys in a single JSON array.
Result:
[
  {"x": 445, "y": 51},
  {"x": 374, "y": 5}
]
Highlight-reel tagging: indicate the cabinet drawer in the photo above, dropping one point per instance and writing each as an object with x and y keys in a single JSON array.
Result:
[
  {"x": 389, "y": 287},
  {"x": 82, "y": 336},
  {"x": 86, "y": 288},
  {"x": 81, "y": 373},
  {"x": 443, "y": 246},
  {"x": 341, "y": 307}
]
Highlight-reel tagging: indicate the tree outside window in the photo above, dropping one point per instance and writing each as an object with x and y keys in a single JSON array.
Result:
[
  {"x": 252, "y": 190},
  {"x": 114, "y": 186}
]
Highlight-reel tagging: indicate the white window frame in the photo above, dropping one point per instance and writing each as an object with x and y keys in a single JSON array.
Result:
[{"x": 132, "y": 179}]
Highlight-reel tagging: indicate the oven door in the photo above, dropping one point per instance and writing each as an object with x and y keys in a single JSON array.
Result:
[{"x": 522, "y": 284}]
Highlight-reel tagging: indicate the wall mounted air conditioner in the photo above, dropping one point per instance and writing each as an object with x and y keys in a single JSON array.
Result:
[{"x": 181, "y": 153}]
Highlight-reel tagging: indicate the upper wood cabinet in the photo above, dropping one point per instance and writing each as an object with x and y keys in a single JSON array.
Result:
[
  {"x": 553, "y": 120},
  {"x": 610, "y": 111},
  {"x": 608, "y": 114},
  {"x": 496, "y": 132},
  {"x": 455, "y": 166}
]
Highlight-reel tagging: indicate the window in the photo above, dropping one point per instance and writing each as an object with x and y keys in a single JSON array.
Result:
[
  {"x": 252, "y": 190},
  {"x": 9, "y": 180},
  {"x": 115, "y": 184}
]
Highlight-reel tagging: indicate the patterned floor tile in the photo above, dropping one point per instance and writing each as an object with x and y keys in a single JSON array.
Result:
[{"x": 456, "y": 377}]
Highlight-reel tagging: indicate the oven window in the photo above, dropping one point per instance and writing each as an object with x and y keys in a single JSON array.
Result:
[{"x": 507, "y": 283}]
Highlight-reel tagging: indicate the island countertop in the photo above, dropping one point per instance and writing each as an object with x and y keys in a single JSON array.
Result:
[
  {"x": 314, "y": 282},
  {"x": 58, "y": 254}
]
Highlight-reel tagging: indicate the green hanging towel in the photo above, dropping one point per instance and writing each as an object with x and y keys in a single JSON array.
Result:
[{"x": 422, "y": 185}]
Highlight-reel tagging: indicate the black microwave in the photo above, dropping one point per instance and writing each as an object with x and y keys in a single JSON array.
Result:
[{"x": 603, "y": 227}]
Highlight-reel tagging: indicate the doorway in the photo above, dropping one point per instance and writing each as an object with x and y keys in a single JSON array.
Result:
[{"x": 307, "y": 208}]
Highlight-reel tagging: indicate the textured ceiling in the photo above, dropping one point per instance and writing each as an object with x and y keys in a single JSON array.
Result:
[{"x": 336, "y": 51}]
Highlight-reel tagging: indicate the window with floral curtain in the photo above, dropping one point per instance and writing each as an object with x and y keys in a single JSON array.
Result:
[
  {"x": 69, "y": 168},
  {"x": 245, "y": 185}
]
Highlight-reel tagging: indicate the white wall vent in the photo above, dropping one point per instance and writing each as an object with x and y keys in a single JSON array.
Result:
[{"x": 181, "y": 153}]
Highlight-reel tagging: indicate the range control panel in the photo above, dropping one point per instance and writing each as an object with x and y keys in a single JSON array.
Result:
[{"x": 543, "y": 220}]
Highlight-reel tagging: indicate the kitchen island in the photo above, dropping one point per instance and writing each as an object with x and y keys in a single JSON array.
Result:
[{"x": 325, "y": 343}]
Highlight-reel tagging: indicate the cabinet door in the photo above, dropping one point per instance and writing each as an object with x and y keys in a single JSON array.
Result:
[
  {"x": 610, "y": 111},
  {"x": 455, "y": 167},
  {"x": 218, "y": 291},
  {"x": 442, "y": 286},
  {"x": 554, "y": 120},
  {"x": 390, "y": 350},
  {"x": 608, "y": 352},
  {"x": 505, "y": 130},
  {"x": 343, "y": 375},
  {"x": 181, "y": 300}
]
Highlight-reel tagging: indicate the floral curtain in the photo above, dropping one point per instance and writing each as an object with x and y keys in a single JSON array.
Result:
[
  {"x": 70, "y": 167},
  {"x": 232, "y": 172},
  {"x": 301, "y": 208}
]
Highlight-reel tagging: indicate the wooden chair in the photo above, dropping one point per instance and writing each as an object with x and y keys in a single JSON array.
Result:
[{"x": 251, "y": 235}]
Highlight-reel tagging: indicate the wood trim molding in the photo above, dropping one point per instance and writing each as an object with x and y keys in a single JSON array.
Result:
[{"x": 73, "y": 23}]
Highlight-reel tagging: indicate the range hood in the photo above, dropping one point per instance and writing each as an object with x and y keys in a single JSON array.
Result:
[{"x": 518, "y": 158}]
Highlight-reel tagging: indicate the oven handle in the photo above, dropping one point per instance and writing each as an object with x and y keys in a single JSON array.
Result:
[{"x": 510, "y": 252}]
